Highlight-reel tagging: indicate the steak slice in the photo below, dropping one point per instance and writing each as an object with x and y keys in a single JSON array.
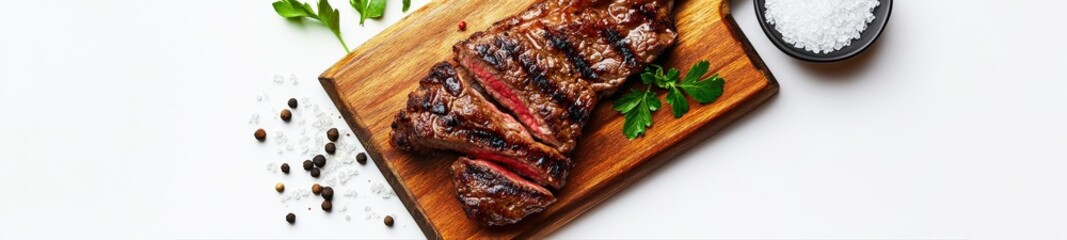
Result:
[
  {"x": 606, "y": 41},
  {"x": 554, "y": 106},
  {"x": 492, "y": 195},
  {"x": 446, "y": 113}
]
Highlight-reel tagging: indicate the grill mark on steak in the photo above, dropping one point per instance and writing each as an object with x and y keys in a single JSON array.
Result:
[
  {"x": 575, "y": 112},
  {"x": 493, "y": 195},
  {"x": 466, "y": 122},
  {"x": 561, "y": 42},
  {"x": 620, "y": 44}
]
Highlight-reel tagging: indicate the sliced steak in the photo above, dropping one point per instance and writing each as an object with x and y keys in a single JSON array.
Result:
[
  {"x": 493, "y": 195},
  {"x": 605, "y": 40},
  {"x": 554, "y": 106},
  {"x": 446, "y": 113}
]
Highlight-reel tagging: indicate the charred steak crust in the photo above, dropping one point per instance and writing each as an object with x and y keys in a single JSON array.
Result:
[
  {"x": 616, "y": 37},
  {"x": 553, "y": 104},
  {"x": 494, "y": 196},
  {"x": 548, "y": 66},
  {"x": 443, "y": 113}
]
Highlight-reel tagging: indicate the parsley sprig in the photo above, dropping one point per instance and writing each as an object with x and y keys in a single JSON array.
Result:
[
  {"x": 373, "y": 8},
  {"x": 637, "y": 106},
  {"x": 328, "y": 15}
]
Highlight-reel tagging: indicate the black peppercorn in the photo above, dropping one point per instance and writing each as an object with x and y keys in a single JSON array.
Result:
[
  {"x": 388, "y": 220},
  {"x": 261, "y": 135},
  {"x": 316, "y": 189},
  {"x": 308, "y": 165},
  {"x": 327, "y": 193},
  {"x": 332, "y": 134},
  {"x": 291, "y": 218},
  {"x": 315, "y": 172},
  {"x": 331, "y": 148},
  {"x": 319, "y": 160},
  {"x": 292, "y": 103},
  {"x": 285, "y": 168},
  {"x": 286, "y": 115},
  {"x": 327, "y": 205},
  {"x": 361, "y": 158}
]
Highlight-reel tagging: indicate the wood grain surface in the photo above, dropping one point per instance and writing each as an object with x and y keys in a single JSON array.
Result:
[{"x": 372, "y": 83}]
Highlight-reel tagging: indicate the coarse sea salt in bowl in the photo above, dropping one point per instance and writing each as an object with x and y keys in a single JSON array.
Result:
[{"x": 823, "y": 31}]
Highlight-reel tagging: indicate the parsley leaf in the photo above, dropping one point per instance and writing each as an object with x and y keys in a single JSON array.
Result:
[
  {"x": 326, "y": 14},
  {"x": 679, "y": 105},
  {"x": 637, "y": 108},
  {"x": 629, "y": 101},
  {"x": 407, "y": 4},
  {"x": 369, "y": 8},
  {"x": 703, "y": 90}
]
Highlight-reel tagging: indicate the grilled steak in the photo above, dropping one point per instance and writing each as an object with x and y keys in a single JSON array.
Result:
[
  {"x": 446, "y": 113},
  {"x": 493, "y": 195},
  {"x": 553, "y": 106},
  {"x": 547, "y": 64}
]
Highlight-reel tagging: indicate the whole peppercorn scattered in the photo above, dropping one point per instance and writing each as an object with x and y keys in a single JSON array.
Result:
[
  {"x": 279, "y": 187},
  {"x": 361, "y": 158},
  {"x": 316, "y": 189},
  {"x": 292, "y": 103},
  {"x": 308, "y": 165},
  {"x": 327, "y": 205},
  {"x": 462, "y": 26},
  {"x": 291, "y": 218},
  {"x": 286, "y": 115},
  {"x": 331, "y": 148},
  {"x": 319, "y": 160},
  {"x": 327, "y": 193},
  {"x": 388, "y": 220},
  {"x": 285, "y": 168},
  {"x": 261, "y": 135},
  {"x": 315, "y": 172},
  {"x": 332, "y": 134}
]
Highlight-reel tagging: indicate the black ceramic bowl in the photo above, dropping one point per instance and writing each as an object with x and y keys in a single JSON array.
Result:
[{"x": 867, "y": 37}]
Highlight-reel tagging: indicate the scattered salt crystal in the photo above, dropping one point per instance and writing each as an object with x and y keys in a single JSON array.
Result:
[
  {"x": 280, "y": 138},
  {"x": 350, "y": 193},
  {"x": 820, "y": 26},
  {"x": 367, "y": 209},
  {"x": 272, "y": 167},
  {"x": 348, "y": 218},
  {"x": 278, "y": 79},
  {"x": 292, "y": 79},
  {"x": 254, "y": 119},
  {"x": 344, "y": 208},
  {"x": 377, "y": 188},
  {"x": 262, "y": 96}
]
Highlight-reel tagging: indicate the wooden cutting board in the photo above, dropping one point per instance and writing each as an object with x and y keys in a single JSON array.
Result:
[{"x": 372, "y": 83}]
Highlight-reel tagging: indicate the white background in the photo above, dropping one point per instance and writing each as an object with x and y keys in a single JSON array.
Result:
[{"x": 129, "y": 119}]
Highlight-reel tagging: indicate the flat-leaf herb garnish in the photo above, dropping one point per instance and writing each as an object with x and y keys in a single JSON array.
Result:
[
  {"x": 368, "y": 8},
  {"x": 326, "y": 14},
  {"x": 637, "y": 106}
]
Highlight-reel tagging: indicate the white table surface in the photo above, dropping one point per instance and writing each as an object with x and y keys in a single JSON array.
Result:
[{"x": 130, "y": 119}]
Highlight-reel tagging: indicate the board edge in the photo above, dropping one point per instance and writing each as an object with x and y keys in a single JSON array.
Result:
[{"x": 394, "y": 180}]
